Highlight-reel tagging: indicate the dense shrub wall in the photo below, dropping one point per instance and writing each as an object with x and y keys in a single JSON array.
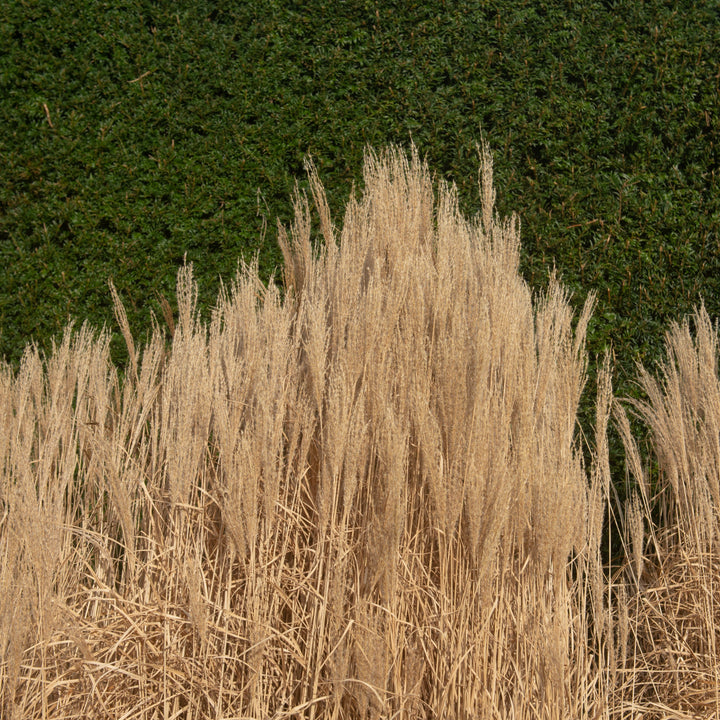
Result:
[{"x": 135, "y": 134}]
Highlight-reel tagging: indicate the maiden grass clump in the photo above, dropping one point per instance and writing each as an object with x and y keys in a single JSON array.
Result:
[{"x": 364, "y": 497}]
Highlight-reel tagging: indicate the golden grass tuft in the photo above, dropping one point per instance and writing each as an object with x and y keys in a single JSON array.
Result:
[
  {"x": 364, "y": 499},
  {"x": 671, "y": 668}
]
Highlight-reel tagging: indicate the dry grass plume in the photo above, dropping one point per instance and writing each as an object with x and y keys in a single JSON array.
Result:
[{"x": 364, "y": 498}]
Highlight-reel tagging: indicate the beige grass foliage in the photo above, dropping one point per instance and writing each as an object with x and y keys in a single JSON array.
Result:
[
  {"x": 363, "y": 499},
  {"x": 670, "y": 666}
]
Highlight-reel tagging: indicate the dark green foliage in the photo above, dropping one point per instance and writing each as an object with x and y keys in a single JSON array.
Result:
[{"x": 136, "y": 133}]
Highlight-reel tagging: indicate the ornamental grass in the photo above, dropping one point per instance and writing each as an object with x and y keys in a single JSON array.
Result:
[{"x": 360, "y": 494}]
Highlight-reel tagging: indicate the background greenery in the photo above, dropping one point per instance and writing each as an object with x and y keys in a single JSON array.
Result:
[{"x": 134, "y": 133}]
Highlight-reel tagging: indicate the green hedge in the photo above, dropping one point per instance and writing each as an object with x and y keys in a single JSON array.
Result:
[{"x": 136, "y": 133}]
